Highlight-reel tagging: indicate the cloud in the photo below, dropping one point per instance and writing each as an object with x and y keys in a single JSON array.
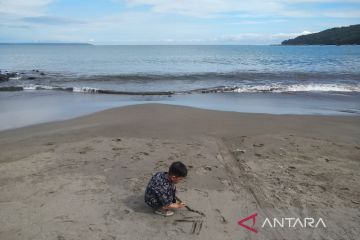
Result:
[
  {"x": 288, "y": 35},
  {"x": 23, "y": 7},
  {"x": 174, "y": 21},
  {"x": 47, "y": 20},
  {"x": 219, "y": 8},
  {"x": 259, "y": 38},
  {"x": 253, "y": 22},
  {"x": 207, "y": 8},
  {"x": 342, "y": 14}
]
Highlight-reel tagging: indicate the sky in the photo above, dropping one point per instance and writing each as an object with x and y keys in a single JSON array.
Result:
[{"x": 170, "y": 21}]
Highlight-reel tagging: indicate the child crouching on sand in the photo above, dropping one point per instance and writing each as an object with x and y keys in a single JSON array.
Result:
[{"x": 160, "y": 192}]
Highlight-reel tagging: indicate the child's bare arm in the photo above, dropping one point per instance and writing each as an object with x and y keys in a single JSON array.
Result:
[{"x": 175, "y": 205}]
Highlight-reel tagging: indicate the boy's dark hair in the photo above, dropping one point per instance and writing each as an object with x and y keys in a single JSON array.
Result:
[{"x": 178, "y": 169}]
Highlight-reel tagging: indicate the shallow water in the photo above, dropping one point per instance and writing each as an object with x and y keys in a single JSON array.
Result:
[{"x": 26, "y": 108}]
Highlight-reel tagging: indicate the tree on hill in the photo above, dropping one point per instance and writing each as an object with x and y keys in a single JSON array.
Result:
[{"x": 334, "y": 36}]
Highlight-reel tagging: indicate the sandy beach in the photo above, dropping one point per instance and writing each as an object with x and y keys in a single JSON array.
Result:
[{"x": 85, "y": 178}]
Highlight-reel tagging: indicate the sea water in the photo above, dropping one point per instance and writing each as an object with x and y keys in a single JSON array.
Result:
[{"x": 57, "y": 81}]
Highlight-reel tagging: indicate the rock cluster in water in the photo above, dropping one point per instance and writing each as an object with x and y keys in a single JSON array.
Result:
[{"x": 6, "y": 76}]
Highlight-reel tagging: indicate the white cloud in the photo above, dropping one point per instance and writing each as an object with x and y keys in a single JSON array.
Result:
[
  {"x": 253, "y": 22},
  {"x": 288, "y": 35},
  {"x": 259, "y": 38},
  {"x": 27, "y": 19},
  {"x": 215, "y": 8},
  {"x": 23, "y": 7},
  {"x": 207, "y": 8},
  {"x": 342, "y": 14}
]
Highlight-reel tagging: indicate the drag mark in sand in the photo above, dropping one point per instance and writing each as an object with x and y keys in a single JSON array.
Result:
[
  {"x": 249, "y": 182},
  {"x": 197, "y": 222}
]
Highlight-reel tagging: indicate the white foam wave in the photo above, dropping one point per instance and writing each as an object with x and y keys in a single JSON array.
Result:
[
  {"x": 277, "y": 88},
  {"x": 85, "y": 90},
  {"x": 15, "y": 78},
  {"x": 324, "y": 88},
  {"x": 272, "y": 88},
  {"x": 36, "y": 87}
]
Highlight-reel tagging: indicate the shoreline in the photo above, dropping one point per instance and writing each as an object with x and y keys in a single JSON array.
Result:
[
  {"x": 84, "y": 178},
  {"x": 113, "y": 110},
  {"x": 19, "y": 110}
]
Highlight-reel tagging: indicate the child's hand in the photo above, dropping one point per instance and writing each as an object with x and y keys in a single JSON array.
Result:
[
  {"x": 181, "y": 204},
  {"x": 176, "y": 205}
]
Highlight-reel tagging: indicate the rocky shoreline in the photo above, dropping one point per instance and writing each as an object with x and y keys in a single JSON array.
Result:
[
  {"x": 7, "y": 75},
  {"x": 30, "y": 75}
]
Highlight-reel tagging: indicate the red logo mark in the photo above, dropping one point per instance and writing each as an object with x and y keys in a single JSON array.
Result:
[{"x": 253, "y": 217}]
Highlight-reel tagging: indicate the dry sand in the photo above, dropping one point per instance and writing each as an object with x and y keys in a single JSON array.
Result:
[{"x": 84, "y": 178}]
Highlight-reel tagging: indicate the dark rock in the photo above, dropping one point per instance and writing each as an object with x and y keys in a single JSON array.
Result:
[
  {"x": 10, "y": 89},
  {"x": 31, "y": 78},
  {"x": 4, "y": 77},
  {"x": 11, "y": 74}
]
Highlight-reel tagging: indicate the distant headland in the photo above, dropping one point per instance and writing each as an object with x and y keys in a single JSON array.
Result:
[{"x": 335, "y": 36}]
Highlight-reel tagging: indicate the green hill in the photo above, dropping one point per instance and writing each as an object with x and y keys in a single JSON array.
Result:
[{"x": 334, "y": 36}]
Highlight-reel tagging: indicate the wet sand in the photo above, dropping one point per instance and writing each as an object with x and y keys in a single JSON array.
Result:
[{"x": 84, "y": 178}]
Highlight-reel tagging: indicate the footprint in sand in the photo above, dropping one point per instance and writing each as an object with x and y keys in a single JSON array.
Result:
[
  {"x": 242, "y": 139},
  {"x": 108, "y": 237},
  {"x": 86, "y": 149},
  {"x": 208, "y": 168},
  {"x": 139, "y": 156},
  {"x": 199, "y": 155},
  {"x": 152, "y": 147},
  {"x": 93, "y": 228},
  {"x": 173, "y": 156},
  {"x": 60, "y": 237},
  {"x": 118, "y": 148},
  {"x": 204, "y": 170},
  {"x": 160, "y": 165},
  {"x": 258, "y": 145},
  {"x": 224, "y": 181}
]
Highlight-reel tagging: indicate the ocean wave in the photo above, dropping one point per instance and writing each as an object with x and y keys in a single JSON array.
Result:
[
  {"x": 238, "y": 76},
  {"x": 85, "y": 90},
  {"x": 271, "y": 88},
  {"x": 277, "y": 88},
  {"x": 89, "y": 90},
  {"x": 15, "y": 78}
]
